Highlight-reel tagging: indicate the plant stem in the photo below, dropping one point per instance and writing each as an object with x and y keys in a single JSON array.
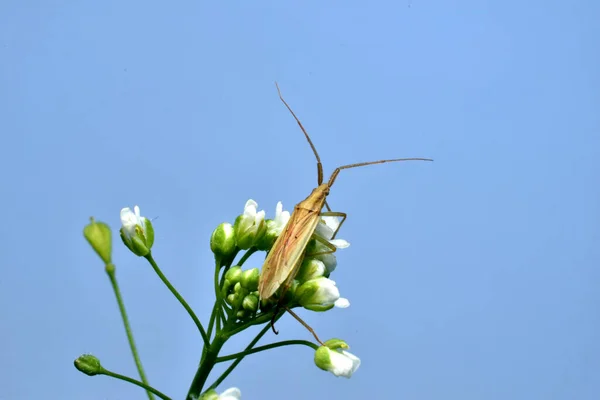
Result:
[
  {"x": 135, "y": 382},
  {"x": 178, "y": 296},
  {"x": 207, "y": 364},
  {"x": 266, "y": 347},
  {"x": 246, "y": 256},
  {"x": 239, "y": 360},
  {"x": 261, "y": 319},
  {"x": 110, "y": 270}
]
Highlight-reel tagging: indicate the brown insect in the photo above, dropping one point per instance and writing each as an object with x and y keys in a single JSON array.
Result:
[{"x": 285, "y": 257}]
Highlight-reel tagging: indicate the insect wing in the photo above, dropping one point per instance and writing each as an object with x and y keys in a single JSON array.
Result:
[{"x": 287, "y": 252}]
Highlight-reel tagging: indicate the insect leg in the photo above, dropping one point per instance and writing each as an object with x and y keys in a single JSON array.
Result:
[
  {"x": 311, "y": 330},
  {"x": 325, "y": 242},
  {"x": 335, "y": 214}
]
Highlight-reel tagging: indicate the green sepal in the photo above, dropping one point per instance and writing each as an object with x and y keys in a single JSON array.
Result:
[
  {"x": 99, "y": 236},
  {"x": 88, "y": 364}
]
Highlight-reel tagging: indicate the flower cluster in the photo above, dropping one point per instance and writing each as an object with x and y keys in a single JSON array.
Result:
[
  {"x": 311, "y": 289},
  {"x": 238, "y": 305}
]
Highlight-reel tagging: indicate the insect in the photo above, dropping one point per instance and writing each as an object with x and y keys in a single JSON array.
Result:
[{"x": 285, "y": 258}]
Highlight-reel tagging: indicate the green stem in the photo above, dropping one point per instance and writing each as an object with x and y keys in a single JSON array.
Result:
[
  {"x": 207, "y": 364},
  {"x": 213, "y": 314},
  {"x": 246, "y": 256},
  {"x": 266, "y": 347},
  {"x": 261, "y": 319},
  {"x": 135, "y": 382},
  {"x": 110, "y": 270},
  {"x": 239, "y": 360},
  {"x": 178, "y": 296}
]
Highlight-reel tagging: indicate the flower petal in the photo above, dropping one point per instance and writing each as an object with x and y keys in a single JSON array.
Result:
[
  {"x": 231, "y": 394},
  {"x": 344, "y": 363},
  {"x": 324, "y": 231},
  {"x": 250, "y": 208},
  {"x": 332, "y": 222},
  {"x": 340, "y": 243},
  {"x": 342, "y": 303}
]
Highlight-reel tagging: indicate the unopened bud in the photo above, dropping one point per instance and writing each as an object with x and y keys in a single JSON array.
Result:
[
  {"x": 222, "y": 240},
  {"x": 88, "y": 364},
  {"x": 99, "y": 236}
]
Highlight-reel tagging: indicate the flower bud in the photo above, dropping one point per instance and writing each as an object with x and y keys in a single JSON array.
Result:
[
  {"x": 98, "y": 235},
  {"x": 236, "y": 298},
  {"x": 274, "y": 227},
  {"x": 250, "y": 226},
  {"x": 209, "y": 395},
  {"x": 88, "y": 364},
  {"x": 249, "y": 279},
  {"x": 222, "y": 240},
  {"x": 332, "y": 357},
  {"x": 250, "y": 303},
  {"x": 231, "y": 394},
  {"x": 320, "y": 294},
  {"x": 231, "y": 298},
  {"x": 311, "y": 268},
  {"x": 326, "y": 227},
  {"x": 137, "y": 232},
  {"x": 234, "y": 274},
  {"x": 237, "y": 288}
]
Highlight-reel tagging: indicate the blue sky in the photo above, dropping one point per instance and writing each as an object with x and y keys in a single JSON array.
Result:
[{"x": 475, "y": 277}]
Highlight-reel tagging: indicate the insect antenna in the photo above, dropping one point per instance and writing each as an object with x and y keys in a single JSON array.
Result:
[
  {"x": 312, "y": 146},
  {"x": 362, "y": 164}
]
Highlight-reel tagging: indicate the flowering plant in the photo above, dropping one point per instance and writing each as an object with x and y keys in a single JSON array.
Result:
[{"x": 238, "y": 305}]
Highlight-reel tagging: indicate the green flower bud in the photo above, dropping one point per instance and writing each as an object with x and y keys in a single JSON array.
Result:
[
  {"x": 229, "y": 394},
  {"x": 332, "y": 357},
  {"x": 234, "y": 274},
  {"x": 88, "y": 364},
  {"x": 239, "y": 293},
  {"x": 209, "y": 395},
  {"x": 237, "y": 288},
  {"x": 222, "y": 240},
  {"x": 249, "y": 279},
  {"x": 268, "y": 239},
  {"x": 98, "y": 235},
  {"x": 311, "y": 268},
  {"x": 290, "y": 294},
  {"x": 250, "y": 303},
  {"x": 137, "y": 232},
  {"x": 250, "y": 226},
  {"x": 336, "y": 344},
  {"x": 231, "y": 298},
  {"x": 320, "y": 294}
]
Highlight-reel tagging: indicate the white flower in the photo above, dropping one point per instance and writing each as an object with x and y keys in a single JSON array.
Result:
[
  {"x": 342, "y": 303},
  {"x": 231, "y": 394},
  {"x": 281, "y": 219},
  {"x": 274, "y": 227},
  {"x": 249, "y": 226},
  {"x": 320, "y": 294},
  {"x": 131, "y": 219},
  {"x": 333, "y": 358},
  {"x": 137, "y": 232},
  {"x": 311, "y": 269},
  {"x": 325, "y": 228}
]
